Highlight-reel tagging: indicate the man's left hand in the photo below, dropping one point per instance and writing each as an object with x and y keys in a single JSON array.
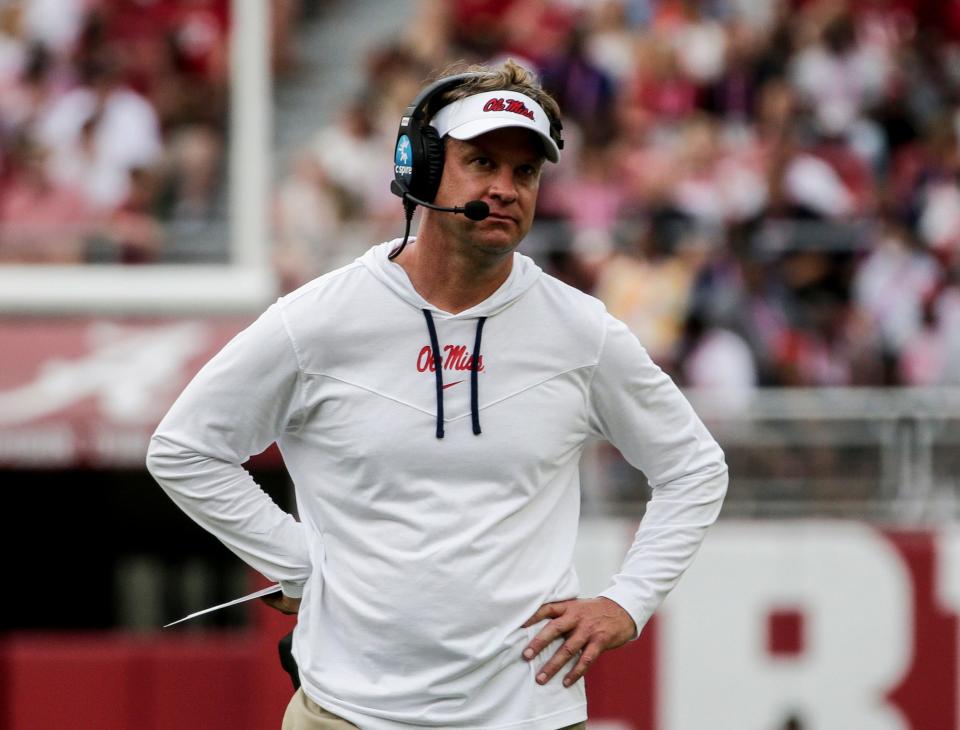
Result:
[
  {"x": 591, "y": 627},
  {"x": 282, "y": 603}
]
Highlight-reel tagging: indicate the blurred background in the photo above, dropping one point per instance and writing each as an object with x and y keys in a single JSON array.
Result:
[{"x": 766, "y": 191}]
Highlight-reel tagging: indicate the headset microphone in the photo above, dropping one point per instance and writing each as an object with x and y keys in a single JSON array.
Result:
[{"x": 475, "y": 210}]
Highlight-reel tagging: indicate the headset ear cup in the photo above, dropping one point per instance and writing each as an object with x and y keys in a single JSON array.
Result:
[{"x": 433, "y": 150}]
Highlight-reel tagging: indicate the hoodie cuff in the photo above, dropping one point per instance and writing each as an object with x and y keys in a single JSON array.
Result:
[
  {"x": 639, "y": 615},
  {"x": 292, "y": 589}
]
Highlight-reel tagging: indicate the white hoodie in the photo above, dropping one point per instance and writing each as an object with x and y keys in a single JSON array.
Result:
[{"x": 420, "y": 557}]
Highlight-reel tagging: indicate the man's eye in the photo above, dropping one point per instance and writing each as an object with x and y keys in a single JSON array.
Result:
[
  {"x": 482, "y": 161},
  {"x": 528, "y": 173}
]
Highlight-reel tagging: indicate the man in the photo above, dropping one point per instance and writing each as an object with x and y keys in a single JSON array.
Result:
[{"x": 431, "y": 409}]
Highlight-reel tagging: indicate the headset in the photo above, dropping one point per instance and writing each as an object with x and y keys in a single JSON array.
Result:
[{"x": 418, "y": 159}]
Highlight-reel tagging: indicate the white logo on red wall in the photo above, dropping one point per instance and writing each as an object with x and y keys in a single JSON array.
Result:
[
  {"x": 126, "y": 371},
  {"x": 80, "y": 390}
]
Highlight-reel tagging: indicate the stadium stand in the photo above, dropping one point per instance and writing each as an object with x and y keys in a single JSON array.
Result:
[{"x": 747, "y": 184}]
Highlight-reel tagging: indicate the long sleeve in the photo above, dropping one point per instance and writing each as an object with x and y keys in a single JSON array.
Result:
[
  {"x": 236, "y": 406},
  {"x": 636, "y": 407}
]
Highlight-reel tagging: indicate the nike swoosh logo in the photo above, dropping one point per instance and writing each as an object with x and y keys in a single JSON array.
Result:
[{"x": 450, "y": 385}]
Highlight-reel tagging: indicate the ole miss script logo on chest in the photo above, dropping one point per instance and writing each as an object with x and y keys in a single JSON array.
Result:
[{"x": 455, "y": 358}]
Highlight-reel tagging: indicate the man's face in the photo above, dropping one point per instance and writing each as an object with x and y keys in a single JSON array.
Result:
[{"x": 501, "y": 168}]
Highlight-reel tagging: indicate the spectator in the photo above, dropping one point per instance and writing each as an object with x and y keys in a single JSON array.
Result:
[
  {"x": 592, "y": 198},
  {"x": 582, "y": 89},
  {"x": 892, "y": 285},
  {"x": 54, "y": 24},
  {"x": 659, "y": 86},
  {"x": 700, "y": 40},
  {"x": 352, "y": 154},
  {"x": 715, "y": 184},
  {"x": 651, "y": 292},
  {"x": 306, "y": 221},
  {"x": 41, "y": 221},
  {"x": 719, "y": 360},
  {"x": 26, "y": 86},
  {"x": 133, "y": 234},
  {"x": 839, "y": 76},
  {"x": 932, "y": 356},
  {"x": 109, "y": 125},
  {"x": 610, "y": 41}
]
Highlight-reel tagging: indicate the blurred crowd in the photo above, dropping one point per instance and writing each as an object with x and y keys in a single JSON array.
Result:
[
  {"x": 766, "y": 191},
  {"x": 112, "y": 125}
]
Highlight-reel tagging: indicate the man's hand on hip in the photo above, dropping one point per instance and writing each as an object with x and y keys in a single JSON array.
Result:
[
  {"x": 591, "y": 627},
  {"x": 284, "y": 604}
]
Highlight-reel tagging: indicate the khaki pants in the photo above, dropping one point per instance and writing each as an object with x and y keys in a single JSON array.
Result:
[{"x": 305, "y": 714}]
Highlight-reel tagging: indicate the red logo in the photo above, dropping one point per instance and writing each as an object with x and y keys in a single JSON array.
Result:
[
  {"x": 455, "y": 358},
  {"x": 508, "y": 105}
]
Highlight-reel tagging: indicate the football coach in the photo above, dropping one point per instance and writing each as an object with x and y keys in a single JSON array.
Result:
[{"x": 432, "y": 401}]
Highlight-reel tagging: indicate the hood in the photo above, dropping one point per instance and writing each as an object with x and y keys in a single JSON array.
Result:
[{"x": 522, "y": 276}]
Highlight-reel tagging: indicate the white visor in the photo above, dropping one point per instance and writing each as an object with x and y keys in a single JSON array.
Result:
[{"x": 481, "y": 113}]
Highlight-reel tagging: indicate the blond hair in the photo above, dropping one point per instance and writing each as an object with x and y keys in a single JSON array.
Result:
[{"x": 508, "y": 76}]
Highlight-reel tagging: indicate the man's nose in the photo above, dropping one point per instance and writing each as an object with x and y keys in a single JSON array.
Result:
[{"x": 503, "y": 187}]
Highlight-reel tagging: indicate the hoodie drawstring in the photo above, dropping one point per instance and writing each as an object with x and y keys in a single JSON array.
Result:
[
  {"x": 437, "y": 362},
  {"x": 438, "y": 370},
  {"x": 474, "y": 379}
]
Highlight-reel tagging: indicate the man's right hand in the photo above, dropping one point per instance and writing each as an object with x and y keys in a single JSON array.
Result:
[{"x": 284, "y": 604}]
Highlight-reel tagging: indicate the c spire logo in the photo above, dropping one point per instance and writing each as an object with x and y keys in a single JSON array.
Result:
[{"x": 402, "y": 158}]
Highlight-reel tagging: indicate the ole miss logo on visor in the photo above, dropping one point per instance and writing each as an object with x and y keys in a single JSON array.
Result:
[{"x": 508, "y": 105}]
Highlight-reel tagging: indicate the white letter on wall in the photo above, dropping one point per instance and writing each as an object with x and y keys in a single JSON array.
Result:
[{"x": 812, "y": 618}]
